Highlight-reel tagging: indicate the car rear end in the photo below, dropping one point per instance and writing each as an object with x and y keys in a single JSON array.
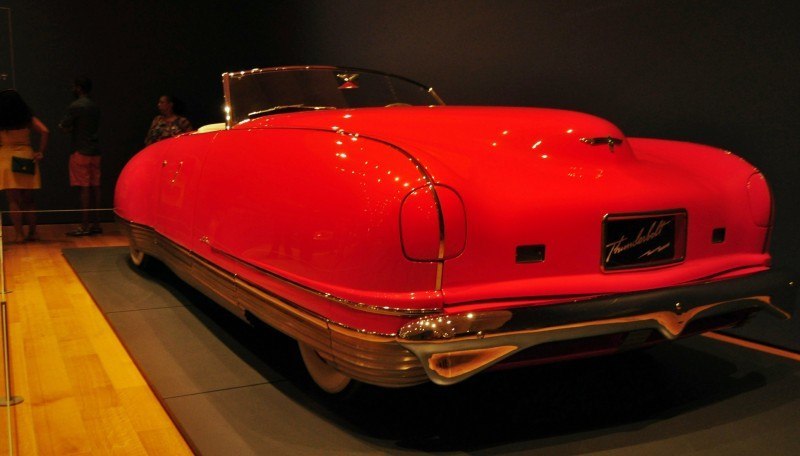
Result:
[{"x": 574, "y": 249}]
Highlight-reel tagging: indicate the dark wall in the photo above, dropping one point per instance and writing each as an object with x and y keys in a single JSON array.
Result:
[
  {"x": 723, "y": 73},
  {"x": 134, "y": 52},
  {"x": 717, "y": 72}
]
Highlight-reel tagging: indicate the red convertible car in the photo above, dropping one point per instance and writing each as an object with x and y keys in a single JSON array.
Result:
[{"x": 399, "y": 240}]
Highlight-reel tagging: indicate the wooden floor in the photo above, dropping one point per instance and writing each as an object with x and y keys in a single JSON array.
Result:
[{"x": 82, "y": 393}]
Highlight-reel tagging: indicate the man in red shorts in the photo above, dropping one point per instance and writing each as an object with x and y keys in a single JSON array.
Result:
[{"x": 82, "y": 121}]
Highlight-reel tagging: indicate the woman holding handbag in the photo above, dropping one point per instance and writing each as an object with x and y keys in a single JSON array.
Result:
[{"x": 19, "y": 173}]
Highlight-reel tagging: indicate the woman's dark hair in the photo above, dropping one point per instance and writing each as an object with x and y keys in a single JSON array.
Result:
[
  {"x": 178, "y": 106},
  {"x": 14, "y": 112},
  {"x": 84, "y": 83}
]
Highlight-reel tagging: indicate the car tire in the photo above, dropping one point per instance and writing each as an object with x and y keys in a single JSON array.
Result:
[
  {"x": 139, "y": 259},
  {"x": 323, "y": 374}
]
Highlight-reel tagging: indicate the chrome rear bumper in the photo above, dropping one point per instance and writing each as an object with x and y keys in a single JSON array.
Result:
[
  {"x": 448, "y": 348},
  {"x": 453, "y": 347}
]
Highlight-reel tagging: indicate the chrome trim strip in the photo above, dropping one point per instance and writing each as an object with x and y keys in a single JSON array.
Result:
[
  {"x": 368, "y": 308},
  {"x": 366, "y": 356},
  {"x": 226, "y": 77},
  {"x": 454, "y": 347},
  {"x": 226, "y": 89},
  {"x": 380, "y": 310},
  {"x": 428, "y": 181},
  {"x": 333, "y": 68},
  {"x": 450, "y": 348},
  {"x": 435, "y": 96},
  {"x": 610, "y": 141}
]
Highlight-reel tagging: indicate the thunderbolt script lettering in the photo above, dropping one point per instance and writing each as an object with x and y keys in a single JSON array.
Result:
[
  {"x": 655, "y": 250},
  {"x": 620, "y": 244}
]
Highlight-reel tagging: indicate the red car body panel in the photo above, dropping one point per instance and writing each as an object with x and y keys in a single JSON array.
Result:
[
  {"x": 370, "y": 217},
  {"x": 526, "y": 179},
  {"x": 521, "y": 176}
]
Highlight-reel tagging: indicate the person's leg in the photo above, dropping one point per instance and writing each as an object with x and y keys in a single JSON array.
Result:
[
  {"x": 94, "y": 226},
  {"x": 84, "y": 196},
  {"x": 14, "y": 199},
  {"x": 94, "y": 181},
  {"x": 79, "y": 178},
  {"x": 86, "y": 204},
  {"x": 29, "y": 206}
]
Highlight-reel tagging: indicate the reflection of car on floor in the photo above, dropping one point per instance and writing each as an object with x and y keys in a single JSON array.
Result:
[{"x": 400, "y": 240}]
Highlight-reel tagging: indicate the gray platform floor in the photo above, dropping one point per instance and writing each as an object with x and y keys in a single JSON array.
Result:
[{"x": 235, "y": 389}]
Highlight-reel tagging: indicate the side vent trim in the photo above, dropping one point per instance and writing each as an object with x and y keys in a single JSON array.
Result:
[{"x": 530, "y": 253}]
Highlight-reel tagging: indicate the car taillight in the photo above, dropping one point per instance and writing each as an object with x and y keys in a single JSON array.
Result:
[
  {"x": 762, "y": 206},
  {"x": 432, "y": 224},
  {"x": 760, "y": 200}
]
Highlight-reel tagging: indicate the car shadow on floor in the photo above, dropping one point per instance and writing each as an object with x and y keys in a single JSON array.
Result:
[{"x": 537, "y": 407}]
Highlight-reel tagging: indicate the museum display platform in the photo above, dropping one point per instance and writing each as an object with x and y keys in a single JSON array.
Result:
[{"x": 236, "y": 389}]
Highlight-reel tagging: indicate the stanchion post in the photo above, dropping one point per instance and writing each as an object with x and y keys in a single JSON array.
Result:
[{"x": 8, "y": 399}]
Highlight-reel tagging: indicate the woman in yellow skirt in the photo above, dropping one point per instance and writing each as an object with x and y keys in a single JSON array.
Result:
[{"x": 19, "y": 170}]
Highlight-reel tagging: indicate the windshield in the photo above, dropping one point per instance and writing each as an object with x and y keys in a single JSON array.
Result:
[{"x": 254, "y": 93}]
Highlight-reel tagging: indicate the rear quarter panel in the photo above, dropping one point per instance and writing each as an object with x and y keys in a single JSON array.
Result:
[
  {"x": 728, "y": 176},
  {"x": 136, "y": 194},
  {"x": 317, "y": 208},
  {"x": 179, "y": 178}
]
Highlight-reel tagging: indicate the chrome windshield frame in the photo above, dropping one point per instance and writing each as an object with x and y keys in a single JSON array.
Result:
[{"x": 227, "y": 77}]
